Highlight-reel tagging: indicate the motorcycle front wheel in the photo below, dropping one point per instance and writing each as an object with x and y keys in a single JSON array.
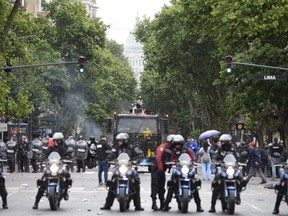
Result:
[
  {"x": 185, "y": 200},
  {"x": 122, "y": 199},
  {"x": 231, "y": 201},
  {"x": 53, "y": 199}
]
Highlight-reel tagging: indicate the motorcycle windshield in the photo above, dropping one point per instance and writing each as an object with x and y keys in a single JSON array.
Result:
[
  {"x": 123, "y": 159},
  {"x": 54, "y": 157},
  {"x": 230, "y": 160},
  {"x": 184, "y": 159}
]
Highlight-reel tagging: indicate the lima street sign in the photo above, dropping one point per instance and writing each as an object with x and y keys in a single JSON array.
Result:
[{"x": 270, "y": 77}]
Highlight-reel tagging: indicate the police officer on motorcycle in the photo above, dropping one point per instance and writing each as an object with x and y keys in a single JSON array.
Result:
[
  {"x": 226, "y": 148},
  {"x": 122, "y": 145},
  {"x": 158, "y": 170},
  {"x": 36, "y": 153},
  {"x": 176, "y": 150},
  {"x": 59, "y": 147},
  {"x": 81, "y": 152},
  {"x": 11, "y": 152}
]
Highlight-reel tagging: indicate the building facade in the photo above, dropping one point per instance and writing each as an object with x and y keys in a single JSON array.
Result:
[
  {"x": 34, "y": 7},
  {"x": 133, "y": 50}
]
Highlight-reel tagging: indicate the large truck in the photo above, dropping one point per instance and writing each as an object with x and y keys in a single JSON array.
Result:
[{"x": 145, "y": 129}]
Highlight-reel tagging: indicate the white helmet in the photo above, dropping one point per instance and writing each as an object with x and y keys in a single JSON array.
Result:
[
  {"x": 178, "y": 139},
  {"x": 123, "y": 136},
  {"x": 225, "y": 138},
  {"x": 58, "y": 136},
  {"x": 169, "y": 138}
]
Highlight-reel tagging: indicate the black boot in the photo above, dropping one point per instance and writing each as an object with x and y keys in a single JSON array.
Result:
[
  {"x": 199, "y": 208},
  {"x": 165, "y": 206},
  {"x": 106, "y": 207},
  {"x": 4, "y": 205},
  {"x": 35, "y": 206},
  {"x": 154, "y": 206},
  {"x": 212, "y": 209}
]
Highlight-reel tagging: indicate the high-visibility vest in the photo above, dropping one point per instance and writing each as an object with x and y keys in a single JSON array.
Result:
[{"x": 50, "y": 142}]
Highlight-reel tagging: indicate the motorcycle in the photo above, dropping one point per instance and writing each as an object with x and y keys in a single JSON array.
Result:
[
  {"x": 232, "y": 183},
  {"x": 55, "y": 176},
  {"x": 123, "y": 174},
  {"x": 282, "y": 187},
  {"x": 91, "y": 160},
  {"x": 183, "y": 176}
]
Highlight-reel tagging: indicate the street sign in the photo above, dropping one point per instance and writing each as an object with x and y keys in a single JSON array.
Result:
[
  {"x": 3, "y": 127},
  {"x": 269, "y": 77}
]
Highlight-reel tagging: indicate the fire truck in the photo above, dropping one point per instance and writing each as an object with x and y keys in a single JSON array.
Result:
[{"x": 144, "y": 128}]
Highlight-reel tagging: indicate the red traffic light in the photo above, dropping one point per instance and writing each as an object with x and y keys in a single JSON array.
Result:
[
  {"x": 81, "y": 60},
  {"x": 229, "y": 59}
]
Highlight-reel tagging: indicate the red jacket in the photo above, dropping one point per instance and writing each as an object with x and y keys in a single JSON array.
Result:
[{"x": 160, "y": 155}]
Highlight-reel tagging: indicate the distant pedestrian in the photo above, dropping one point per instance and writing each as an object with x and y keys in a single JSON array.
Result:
[
  {"x": 255, "y": 163},
  {"x": 276, "y": 151},
  {"x": 103, "y": 165},
  {"x": 205, "y": 160}
]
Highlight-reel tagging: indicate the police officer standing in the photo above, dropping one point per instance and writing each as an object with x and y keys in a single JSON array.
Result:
[
  {"x": 22, "y": 150},
  {"x": 3, "y": 191},
  {"x": 3, "y": 153},
  {"x": 11, "y": 150},
  {"x": 121, "y": 146},
  {"x": 103, "y": 165},
  {"x": 81, "y": 152},
  {"x": 176, "y": 150},
  {"x": 276, "y": 151},
  {"x": 36, "y": 148},
  {"x": 158, "y": 170}
]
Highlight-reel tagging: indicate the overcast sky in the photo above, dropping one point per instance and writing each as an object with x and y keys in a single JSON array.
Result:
[{"x": 121, "y": 15}]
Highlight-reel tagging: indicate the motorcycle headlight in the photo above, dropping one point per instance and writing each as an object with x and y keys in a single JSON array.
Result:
[
  {"x": 230, "y": 172},
  {"x": 185, "y": 170},
  {"x": 54, "y": 169},
  {"x": 123, "y": 169}
]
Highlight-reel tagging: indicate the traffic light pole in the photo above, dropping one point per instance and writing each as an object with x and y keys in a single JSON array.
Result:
[
  {"x": 36, "y": 65},
  {"x": 261, "y": 66}
]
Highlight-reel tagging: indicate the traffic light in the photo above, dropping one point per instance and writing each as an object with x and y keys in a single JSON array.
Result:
[
  {"x": 229, "y": 61},
  {"x": 81, "y": 64}
]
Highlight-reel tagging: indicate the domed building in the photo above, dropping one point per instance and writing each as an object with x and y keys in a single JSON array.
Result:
[{"x": 133, "y": 50}]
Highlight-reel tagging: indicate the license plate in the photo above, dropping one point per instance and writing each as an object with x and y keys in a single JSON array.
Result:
[{"x": 81, "y": 150}]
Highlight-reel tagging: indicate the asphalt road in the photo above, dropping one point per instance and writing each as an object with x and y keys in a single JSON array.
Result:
[{"x": 86, "y": 198}]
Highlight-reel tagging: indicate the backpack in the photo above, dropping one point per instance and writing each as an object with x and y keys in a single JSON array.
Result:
[{"x": 206, "y": 157}]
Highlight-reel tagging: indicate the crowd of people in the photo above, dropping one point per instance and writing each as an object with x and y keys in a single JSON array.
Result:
[{"x": 253, "y": 159}]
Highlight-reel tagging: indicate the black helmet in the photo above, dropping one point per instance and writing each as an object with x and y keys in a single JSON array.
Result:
[{"x": 92, "y": 138}]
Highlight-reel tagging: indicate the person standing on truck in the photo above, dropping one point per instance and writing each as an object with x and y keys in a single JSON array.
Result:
[{"x": 158, "y": 174}]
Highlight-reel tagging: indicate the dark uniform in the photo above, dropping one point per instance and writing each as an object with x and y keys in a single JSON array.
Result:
[
  {"x": 134, "y": 153},
  {"x": 11, "y": 151},
  {"x": 22, "y": 150},
  {"x": 103, "y": 164},
  {"x": 36, "y": 148},
  {"x": 176, "y": 150},
  {"x": 217, "y": 189},
  {"x": 281, "y": 189},
  {"x": 3, "y": 192},
  {"x": 42, "y": 183},
  {"x": 81, "y": 152},
  {"x": 3, "y": 154}
]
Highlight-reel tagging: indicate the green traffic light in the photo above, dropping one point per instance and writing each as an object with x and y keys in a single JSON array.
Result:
[
  {"x": 81, "y": 70},
  {"x": 229, "y": 70}
]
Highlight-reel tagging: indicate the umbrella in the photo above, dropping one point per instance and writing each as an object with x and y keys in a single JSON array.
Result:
[{"x": 209, "y": 133}]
